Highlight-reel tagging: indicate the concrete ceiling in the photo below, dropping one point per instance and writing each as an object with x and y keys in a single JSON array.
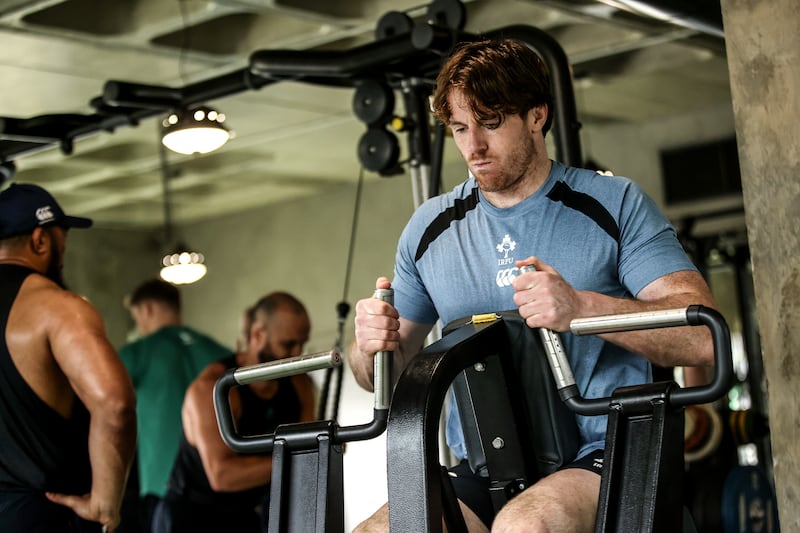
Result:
[{"x": 290, "y": 138}]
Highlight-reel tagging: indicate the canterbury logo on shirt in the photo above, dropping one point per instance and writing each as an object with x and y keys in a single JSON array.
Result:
[{"x": 505, "y": 276}]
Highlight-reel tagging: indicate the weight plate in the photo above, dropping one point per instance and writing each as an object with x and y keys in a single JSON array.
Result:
[
  {"x": 748, "y": 503},
  {"x": 706, "y": 436}
]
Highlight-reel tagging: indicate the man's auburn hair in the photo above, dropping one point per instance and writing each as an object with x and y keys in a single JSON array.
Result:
[{"x": 497, "y": 78}]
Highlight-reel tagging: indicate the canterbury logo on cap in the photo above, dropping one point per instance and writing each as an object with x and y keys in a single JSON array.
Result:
[{"x": 44, "y": 214}]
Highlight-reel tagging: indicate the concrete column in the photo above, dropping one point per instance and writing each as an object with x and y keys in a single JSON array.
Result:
[{"x": 763, "y": 47}]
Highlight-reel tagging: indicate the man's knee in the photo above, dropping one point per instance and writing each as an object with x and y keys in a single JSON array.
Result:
[
  {"x": 562, "y": 502},
  {"x": 532, "y": 514}
]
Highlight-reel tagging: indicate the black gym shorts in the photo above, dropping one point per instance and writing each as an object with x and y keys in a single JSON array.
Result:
[{"x": 473, "y": 489}]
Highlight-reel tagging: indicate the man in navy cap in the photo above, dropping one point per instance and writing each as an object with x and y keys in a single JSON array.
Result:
[{"x": 67, "y": 406}]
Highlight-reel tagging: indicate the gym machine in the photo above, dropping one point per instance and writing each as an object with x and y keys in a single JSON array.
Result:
[
  {"x": 643, "y": 462},
  {"x": 405, "y": 56},
  {"x": 306, "y": 457},
  {"x": 309, "y": 456}
]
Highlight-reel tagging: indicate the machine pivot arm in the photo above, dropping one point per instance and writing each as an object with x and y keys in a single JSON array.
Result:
[{"x": 694, "y": 315}]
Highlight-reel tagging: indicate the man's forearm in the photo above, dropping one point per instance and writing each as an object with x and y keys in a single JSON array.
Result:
[
  {"x": 362, "y": 367},
  {"x": 240, "y": 472},
  {"x": 112, "y": 444},
  {"x": 684, "y": 346}
]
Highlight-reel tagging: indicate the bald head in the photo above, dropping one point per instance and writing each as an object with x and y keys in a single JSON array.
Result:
[
  {"x": 281, "y": 327},
  {"x": 266, "y": 307}
]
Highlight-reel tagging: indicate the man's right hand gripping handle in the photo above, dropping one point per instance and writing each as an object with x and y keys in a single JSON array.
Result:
[
  {"x": 559, "y": 364},
  {"x": 382, "y": 373}
]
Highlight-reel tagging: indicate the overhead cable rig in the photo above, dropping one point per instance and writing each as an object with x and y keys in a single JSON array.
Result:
[{"x": 402, "y": 50}]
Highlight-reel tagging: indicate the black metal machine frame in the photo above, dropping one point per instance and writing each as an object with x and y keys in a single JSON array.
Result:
[
  {"x": 484, "y": 366},
  {"x": 643, "y": 456}
]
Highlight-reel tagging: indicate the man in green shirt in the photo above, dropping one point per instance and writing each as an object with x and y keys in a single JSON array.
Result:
[{"x": 162, "y": 363}]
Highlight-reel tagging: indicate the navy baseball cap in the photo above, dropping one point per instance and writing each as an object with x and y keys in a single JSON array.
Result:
[{"x": 25, "y": 206}]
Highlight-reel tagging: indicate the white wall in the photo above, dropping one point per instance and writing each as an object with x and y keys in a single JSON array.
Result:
[{"x": 633, "y": 151}]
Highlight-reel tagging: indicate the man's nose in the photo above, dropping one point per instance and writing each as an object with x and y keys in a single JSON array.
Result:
[{"x": 476, "y": 142}]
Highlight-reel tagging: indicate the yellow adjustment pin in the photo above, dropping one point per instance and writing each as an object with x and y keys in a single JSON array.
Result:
[{"x": 485, "y": 317}]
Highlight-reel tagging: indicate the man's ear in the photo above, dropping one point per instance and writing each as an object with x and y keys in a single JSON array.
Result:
[
  {"x": 149, "y": 307},
  {"x": 40, "y": 241},
  {"x": 538, "y": 116},
  {"x": 258, "y": 336}
]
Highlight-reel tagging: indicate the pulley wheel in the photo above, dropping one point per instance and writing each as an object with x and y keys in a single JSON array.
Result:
[
  {"x": 373, "y": 102},
  {"x": 378, "y": 150},
  {"x": 448, "y": 13},
  {"x": 393, "y": 23}
]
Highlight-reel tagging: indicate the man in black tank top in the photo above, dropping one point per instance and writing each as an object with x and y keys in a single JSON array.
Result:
[
  {"x": 212, "y": 488},
  {"x": 67, "y": 407}
]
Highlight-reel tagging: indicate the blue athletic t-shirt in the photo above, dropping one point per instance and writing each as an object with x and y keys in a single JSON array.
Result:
[{"x": 601, "y": 233}]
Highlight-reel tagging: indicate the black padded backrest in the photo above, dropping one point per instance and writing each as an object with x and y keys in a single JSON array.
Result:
[{"x": 520, "y": 402}]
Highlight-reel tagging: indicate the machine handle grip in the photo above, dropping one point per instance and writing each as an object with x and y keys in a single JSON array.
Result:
[
  {"x": 299, "y": 365},
  {"x": 382, "y": 370},
  {"x": 382, "y": 387},
  {"x": 693, "y": 315},
  {"x": 262, "y": 372},
  {"x": 556, "y": 357}
]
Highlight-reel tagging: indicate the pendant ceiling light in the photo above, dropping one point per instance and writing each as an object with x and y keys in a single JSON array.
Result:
[
  {"x": 197, "y": 130},
  {"x": 182, "y": 265}
]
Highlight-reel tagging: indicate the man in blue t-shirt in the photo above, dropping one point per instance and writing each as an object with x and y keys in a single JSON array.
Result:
[{"x": 599, "y": 244}]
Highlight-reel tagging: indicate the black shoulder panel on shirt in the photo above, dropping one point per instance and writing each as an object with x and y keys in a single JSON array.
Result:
[
  {"x": 587, "y": 205},
  {"x": 439, "y": 224}
]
